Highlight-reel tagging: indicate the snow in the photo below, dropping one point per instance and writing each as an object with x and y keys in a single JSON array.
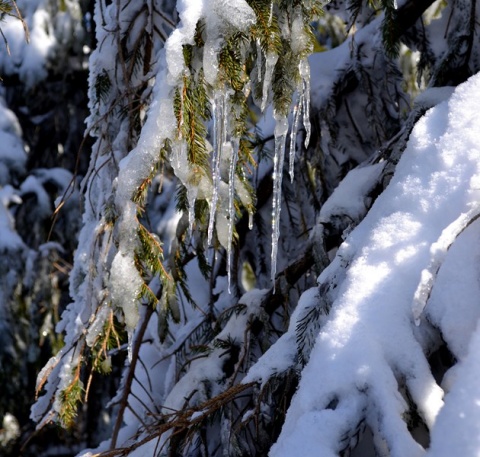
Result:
[
  {"x": 369, "y": 343},
  {"x": 438, "y": 252},
  {"x": 218, "y": 14},
  {"x": 9, "y": 239},
  {"x": 209, "y": 367},
  {"x": 12, "y": 152},
  {"x": 31, "y": 59},
  {"x": 433, "y": 96},
  {"x": 457, "y": 283},
  {"x": 457, "y": 431},
  {"x": 281, "y": 356},
  {"x": 10, "y": 429},
  {"x": 349, "y": 196}
]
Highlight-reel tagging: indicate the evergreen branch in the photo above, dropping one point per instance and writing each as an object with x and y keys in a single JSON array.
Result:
[
  {"x": 195, "y": 111},
  {"x": 266, "y": 29},
  {"x": 150, "y": 254},
  {"x": 70, "y": 397}
]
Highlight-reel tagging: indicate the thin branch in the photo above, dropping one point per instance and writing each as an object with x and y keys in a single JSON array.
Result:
[{"x": 130, "y": 375}]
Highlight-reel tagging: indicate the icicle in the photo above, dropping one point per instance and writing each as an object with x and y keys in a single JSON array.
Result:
[
  {"x": 231, "y": 208},
  {"x": 304, "y": 68},
  {"x": 270, "y": 62},
  {"x": 259, "y": 59},
  {"x": 218, "y": 123},
  {"x": 250, "y": 220},
  {"x": 281, "y": 130},
  {"x": 215, "y": 170},
  {"x": 177, "y": 157},
  {"x": 297, "y": 111},
  {"x": 130, "y": 332},
  {"x": 270, "y": 18},
  {"x": 183, "y": 171},
  {"x": 192, "y": 198}
]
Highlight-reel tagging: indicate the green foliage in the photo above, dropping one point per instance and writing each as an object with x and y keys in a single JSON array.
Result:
[
  {"x": 5, "y": 8},
  {"x": 390, "y": 32},
  {"x": 232, "y": 66},
  {"x": 266, "y": 29},
  {"x": 192, "y": 109},
  {"x": 102, "y": 87},
  {"x": 112, "y": 337},
  {"x": 149, "y": 255},
  {"x": 70, "y": 398},
  {"x": 284, "y": 84}
]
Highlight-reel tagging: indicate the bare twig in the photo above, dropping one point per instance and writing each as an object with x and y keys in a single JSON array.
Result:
[{"x": 130, "y": 375}]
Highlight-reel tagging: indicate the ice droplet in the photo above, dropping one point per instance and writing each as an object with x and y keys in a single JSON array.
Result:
[{"x": 259, "y": 59}]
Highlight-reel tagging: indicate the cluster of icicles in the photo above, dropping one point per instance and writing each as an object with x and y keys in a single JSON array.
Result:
[
  {"x": 223, "y": 146},
  {"x": 234, "y": 15}
]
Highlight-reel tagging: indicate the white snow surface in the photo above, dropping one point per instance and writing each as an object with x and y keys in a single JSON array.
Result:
[
  {"x": 369, "y": 343},
  {"x": 348, "y": 197},
  {"x": 457, "y": 431}
]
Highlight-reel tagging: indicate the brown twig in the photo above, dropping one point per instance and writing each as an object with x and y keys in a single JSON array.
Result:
[{"x": 130, "y": 375}]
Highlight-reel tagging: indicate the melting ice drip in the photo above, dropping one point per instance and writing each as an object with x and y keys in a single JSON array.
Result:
[{"x": 221, "y": 146}]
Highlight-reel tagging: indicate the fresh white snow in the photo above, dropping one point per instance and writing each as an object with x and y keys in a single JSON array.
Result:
[{"x": 369, "y": 345}]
